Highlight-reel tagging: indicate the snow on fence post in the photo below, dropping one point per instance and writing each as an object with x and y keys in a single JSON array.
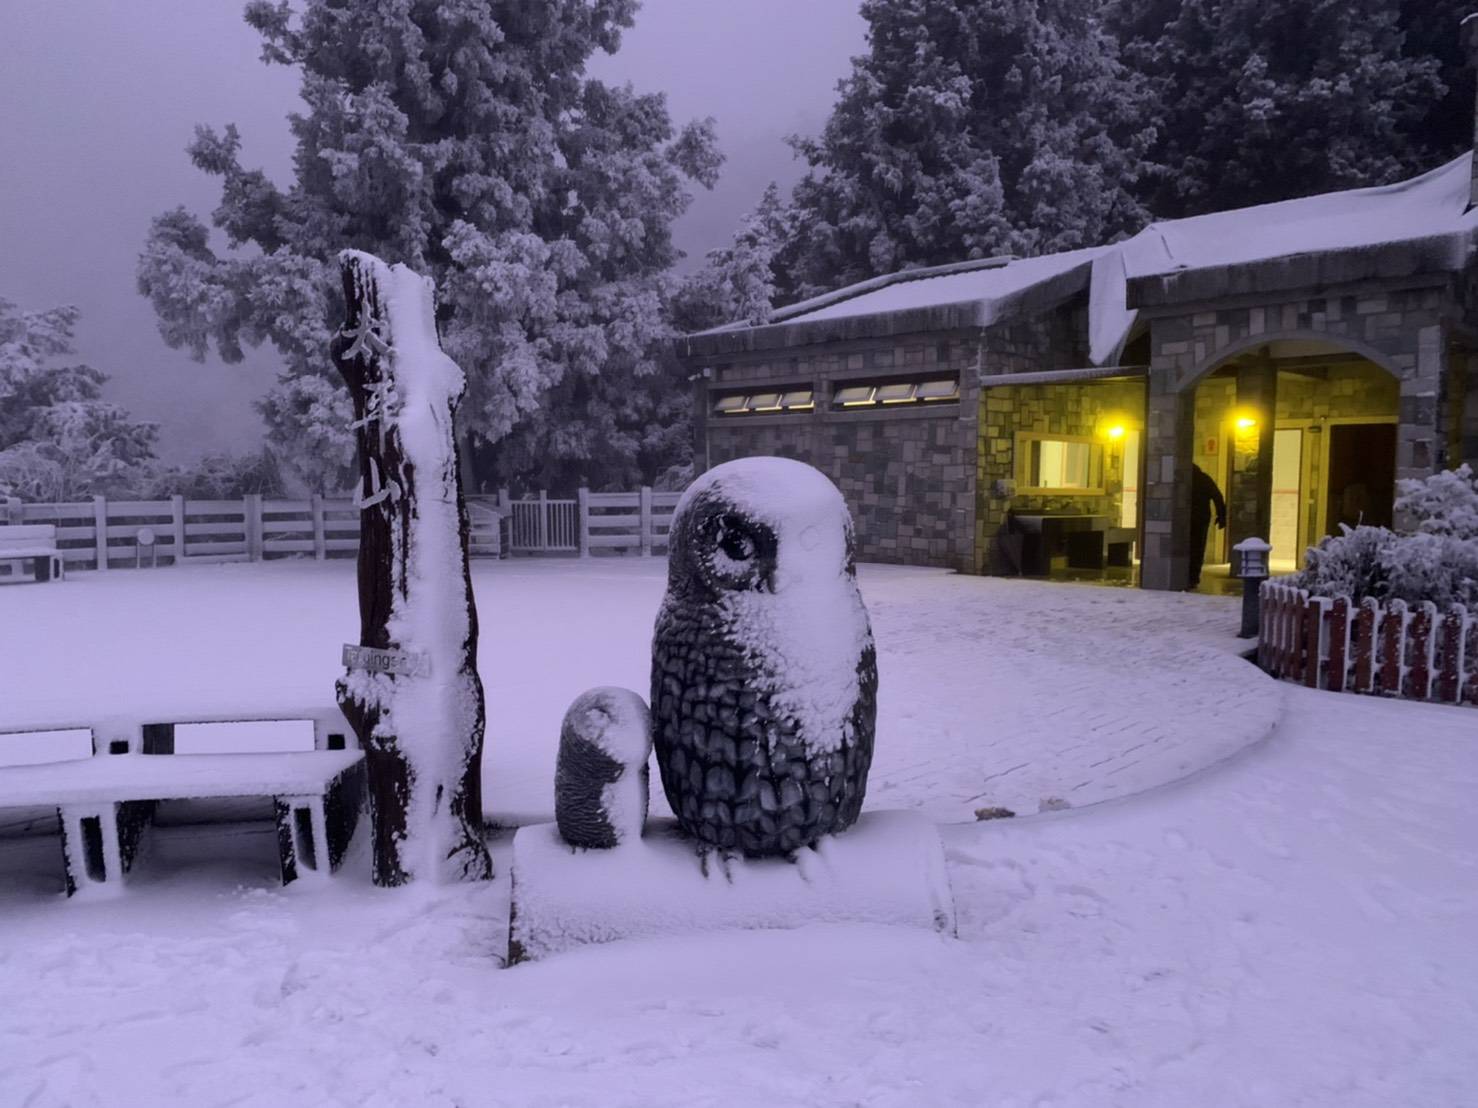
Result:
[
  {"x": 320, "y": 543},
  {"x": 1271, "y": 597},
  {"x": 1316, "y": 638},
  {"x": 15, "y": 511},
  {"x": 1367, "y": 632},
  {"x": 1470, "y": 658},
  {"x": 1420, "y": 644},
  {"x": 100, "y": 536},
  {"x": 1450, "y": 654},
  {"x": 177, "y": 527},
  {"x": 251, "y": 507},
  {"x": 1393, "y": 644},
  {"x": 417, "y": 703},
  {"x": 1293, "y": 634},
  {"x": 582, "y": 524},
  {"x": 644, "y": 512},
  {"x": 543, "y": 519},
  {"x": 1339, "y": 644}
]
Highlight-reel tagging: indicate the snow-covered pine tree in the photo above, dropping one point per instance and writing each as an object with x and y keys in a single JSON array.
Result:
[
  {"x": 1258, "y": 102},
  {"x": 421, "y": 732},
  {"x": 462, "y": 138},
  {"x": 58, "y": 440},
  {"x": 737, "y": 281},
  {"x": 969, "y": 128}
]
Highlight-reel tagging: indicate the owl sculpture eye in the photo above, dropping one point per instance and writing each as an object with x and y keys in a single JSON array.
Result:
[{"x": 742, "y": 552}]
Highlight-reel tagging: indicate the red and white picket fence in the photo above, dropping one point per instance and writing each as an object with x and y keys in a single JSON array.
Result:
[{"x": 1391, "y": 649}]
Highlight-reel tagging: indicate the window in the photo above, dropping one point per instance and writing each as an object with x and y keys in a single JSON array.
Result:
[
  {"x": 891, "y": 393},
  {"x": 856, "y": 396},
  {"x": 765, "y": 403},
  {"x": 938, "y": 390},
  {"x": 1058, "y": 463}
]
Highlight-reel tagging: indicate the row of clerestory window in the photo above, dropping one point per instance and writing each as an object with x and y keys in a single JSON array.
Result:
[{"x": 849, "y": 397}]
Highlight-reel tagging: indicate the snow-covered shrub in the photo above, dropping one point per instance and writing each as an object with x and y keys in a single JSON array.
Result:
[
  {"x": 1348, "y": 564},
  {"x": 1445, "y": 503},
  {"x": 1439, "y": 568},
  {"x": 217, "y": 477},
  {"x": 1439, "y": 562}
]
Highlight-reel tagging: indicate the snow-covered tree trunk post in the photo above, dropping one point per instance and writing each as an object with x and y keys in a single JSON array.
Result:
[{"x": 416, "y": 703}]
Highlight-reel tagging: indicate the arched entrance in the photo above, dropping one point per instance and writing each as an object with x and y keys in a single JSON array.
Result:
[{"x": 1299, "y": 434}]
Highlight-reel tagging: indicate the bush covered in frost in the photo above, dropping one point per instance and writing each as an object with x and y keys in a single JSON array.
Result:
[{"x": 1436, "y": 562}]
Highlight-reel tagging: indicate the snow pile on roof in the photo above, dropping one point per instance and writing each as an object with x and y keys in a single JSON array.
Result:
[
  {"x": 1428, "y": 206},
  {"x": 988, "y": 285}
]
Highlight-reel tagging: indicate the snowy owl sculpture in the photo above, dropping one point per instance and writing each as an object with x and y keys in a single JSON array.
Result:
[{"x": 764, "y": 676}]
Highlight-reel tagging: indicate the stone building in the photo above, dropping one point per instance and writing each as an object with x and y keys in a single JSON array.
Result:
[{"x": 1042, "y": 415}]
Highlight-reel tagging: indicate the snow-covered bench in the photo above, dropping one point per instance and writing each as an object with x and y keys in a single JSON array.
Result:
[
  {"x": 106, "y": 802},
  {"x": 34, "y": 543}
]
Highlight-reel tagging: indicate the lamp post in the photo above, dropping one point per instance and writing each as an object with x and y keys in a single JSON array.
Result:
[{"x": 1252, "y": 567}]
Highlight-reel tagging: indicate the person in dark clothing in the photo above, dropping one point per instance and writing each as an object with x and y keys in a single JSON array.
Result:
[{"x": 1204, "y": 495}]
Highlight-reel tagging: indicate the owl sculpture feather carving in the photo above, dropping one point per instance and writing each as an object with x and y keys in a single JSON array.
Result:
[{"x": 764, "y": 675}]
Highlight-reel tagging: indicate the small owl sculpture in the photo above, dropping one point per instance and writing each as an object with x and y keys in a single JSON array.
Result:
[
  {"x": 600, "y": 776},
  {"x": 764, "y": 676}
]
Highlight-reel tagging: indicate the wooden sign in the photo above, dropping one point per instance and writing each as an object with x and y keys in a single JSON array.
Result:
[{"x": 376, "y": 660}]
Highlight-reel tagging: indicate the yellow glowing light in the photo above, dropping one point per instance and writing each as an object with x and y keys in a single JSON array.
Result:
[
  {"x": 1246, "y": 423},
  {"x": 1116, "y": 431}
]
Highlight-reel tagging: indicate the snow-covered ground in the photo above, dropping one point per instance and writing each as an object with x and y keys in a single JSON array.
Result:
[
  {"x": 1292, "y": 927},
  {"x": 1290, "y": 924},
  {"x": 992, "y": 692}
]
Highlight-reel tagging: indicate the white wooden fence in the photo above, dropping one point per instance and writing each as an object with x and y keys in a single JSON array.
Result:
[
  {"x": 590, "y": 523},
  {"x": 103, "y": 534},
  {"x": 1416, "y": 651}
]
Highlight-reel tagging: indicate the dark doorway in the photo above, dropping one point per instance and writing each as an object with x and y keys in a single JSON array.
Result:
[{"x": 1361, "y": 482}]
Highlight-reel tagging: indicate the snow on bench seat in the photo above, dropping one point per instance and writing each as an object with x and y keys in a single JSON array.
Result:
[
  {"x": 106, "y": 802},
  {"x": 34, "y": 543},
  {"x": 105, "y": 779}
]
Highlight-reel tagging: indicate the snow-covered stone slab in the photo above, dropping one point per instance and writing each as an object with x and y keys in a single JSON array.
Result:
[{"x": 888, "y": 868}]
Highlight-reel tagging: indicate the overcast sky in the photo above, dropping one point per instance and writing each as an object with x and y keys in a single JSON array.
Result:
[{"x": 99, "y": 97}]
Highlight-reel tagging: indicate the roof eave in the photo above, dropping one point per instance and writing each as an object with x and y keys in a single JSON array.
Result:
[
  {"x": 960, "y": 315},
  {"x": 1435, "y": 254},
  {"x": 779, "y": 336}
]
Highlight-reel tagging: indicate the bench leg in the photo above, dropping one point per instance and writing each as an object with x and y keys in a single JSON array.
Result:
[
  {"x": 91, "y": 850},
  {"x": 302, "y": 840},
  {"x": 41, "y": 568}
]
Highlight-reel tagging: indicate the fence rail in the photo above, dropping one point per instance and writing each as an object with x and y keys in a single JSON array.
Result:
[
  {"x": 593, "y": 522},
  {"x": 1391, "y": 649},
  {"x": 111, "y": 534}
]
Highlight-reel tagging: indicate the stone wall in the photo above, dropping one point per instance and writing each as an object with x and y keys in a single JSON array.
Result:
[
  {"x": 908, "y": 474},
  {"x": 1055, "y": 339},
  {"x": 1079, "y": 410}
]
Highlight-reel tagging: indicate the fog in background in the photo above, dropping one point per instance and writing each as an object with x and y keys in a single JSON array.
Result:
[{"x": 98, "y": 99}]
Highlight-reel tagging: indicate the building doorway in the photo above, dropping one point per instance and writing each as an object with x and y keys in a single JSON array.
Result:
[
  {"x": 1360, "y": 473},
  {"x": 1323, "y": 420}
]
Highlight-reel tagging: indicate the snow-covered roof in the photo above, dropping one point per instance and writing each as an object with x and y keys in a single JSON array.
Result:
[
  {"x": 993, "y": 281},
  {"x": 1433, "y": 206},
  {"x": 1424, "y": 207}
]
